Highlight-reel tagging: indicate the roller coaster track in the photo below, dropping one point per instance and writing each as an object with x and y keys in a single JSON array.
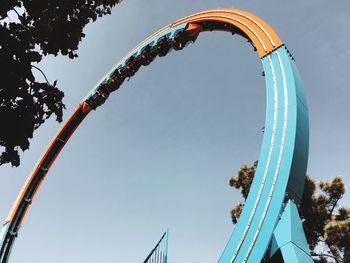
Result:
[
  {"x": 159, "y": 254},
  {"x": 279, "y": 180}
]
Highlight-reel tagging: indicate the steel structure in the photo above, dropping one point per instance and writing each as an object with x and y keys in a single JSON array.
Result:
[
  {"x": 159, "y": 254},
  {"x": 278, "y": 184}
]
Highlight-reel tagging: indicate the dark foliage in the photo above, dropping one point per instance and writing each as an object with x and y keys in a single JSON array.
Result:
[{"x": 30, "y": 30}]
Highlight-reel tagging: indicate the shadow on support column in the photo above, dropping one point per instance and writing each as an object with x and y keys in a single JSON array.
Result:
[{"x": 288, "y": 244}]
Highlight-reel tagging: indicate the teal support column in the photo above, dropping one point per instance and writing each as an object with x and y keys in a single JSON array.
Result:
[{"x": 288, "y": 242}]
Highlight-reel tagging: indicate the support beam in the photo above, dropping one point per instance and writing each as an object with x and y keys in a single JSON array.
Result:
[{"x": 289, "y": 243}]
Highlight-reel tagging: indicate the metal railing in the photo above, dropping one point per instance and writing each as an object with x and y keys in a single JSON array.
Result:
[{"x": 159, "y": 254}]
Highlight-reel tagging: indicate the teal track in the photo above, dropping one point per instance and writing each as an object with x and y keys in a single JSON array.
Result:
[
  {"x": 282, "y": 162},
  {"x": 280, "y": 175}
]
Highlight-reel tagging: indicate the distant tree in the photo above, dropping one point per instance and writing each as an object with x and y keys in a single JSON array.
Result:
[
  {"x": 30, "y": 30},
  {"x": 327, "y": 227}
]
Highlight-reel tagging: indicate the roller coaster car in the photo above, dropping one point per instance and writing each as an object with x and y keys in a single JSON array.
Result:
[
  {"x": 132, "y": 65},
  {"x": 103, "y": 90},
  {"x": 180, "y": 39},
  {"x": 100, "y": 96},
  {"x": 116, "y": 79},
  {"x": 115, "y": 83},
  {"x": 163, "y": 45},
  {"x": 117, "y": 74},
  {"x": 148, "y": 54},
  {"x": 123, "y": 72}
]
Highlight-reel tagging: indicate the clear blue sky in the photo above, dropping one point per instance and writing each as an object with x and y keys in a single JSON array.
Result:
[{"x": 159, "y": 153}]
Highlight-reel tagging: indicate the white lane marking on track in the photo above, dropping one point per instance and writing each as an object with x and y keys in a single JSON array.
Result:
[
  {"x": 279, "y": 157},
  {"x": 255, "y": 22},
  {"x": 240, "y": 22},
  {"x": 230, "y": 12},
  {"x": 268, "y": 161}
]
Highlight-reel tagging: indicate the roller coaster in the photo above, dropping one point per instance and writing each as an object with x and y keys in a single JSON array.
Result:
[
  {"x": 269, "y": 228},
  {"x": 159, "y": 254}
]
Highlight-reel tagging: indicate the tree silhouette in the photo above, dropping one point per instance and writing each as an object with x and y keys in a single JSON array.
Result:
[
  {"x": 327, "y": 227},
  {"x": 30, "y": 30}
]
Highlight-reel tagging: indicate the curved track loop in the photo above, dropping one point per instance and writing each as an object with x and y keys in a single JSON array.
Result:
[{"x": 282, "y": 162}]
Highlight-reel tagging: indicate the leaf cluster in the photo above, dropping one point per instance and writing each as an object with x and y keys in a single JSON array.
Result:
[{"x": 30, "y": 30}]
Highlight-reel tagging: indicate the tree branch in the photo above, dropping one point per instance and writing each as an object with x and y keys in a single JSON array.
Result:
[
  {"x": 335, "y": 204},
  {"x": 324, "y": 255},
  {"x": 14, "y": 9},
  {"x": 41, "y": 73},
  {"x": 334, "y": 250}
]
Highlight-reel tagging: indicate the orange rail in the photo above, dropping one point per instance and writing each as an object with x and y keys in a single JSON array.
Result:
[
  {"x": 260, "y": 34},
  {"x": 82, "y": 109}
]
